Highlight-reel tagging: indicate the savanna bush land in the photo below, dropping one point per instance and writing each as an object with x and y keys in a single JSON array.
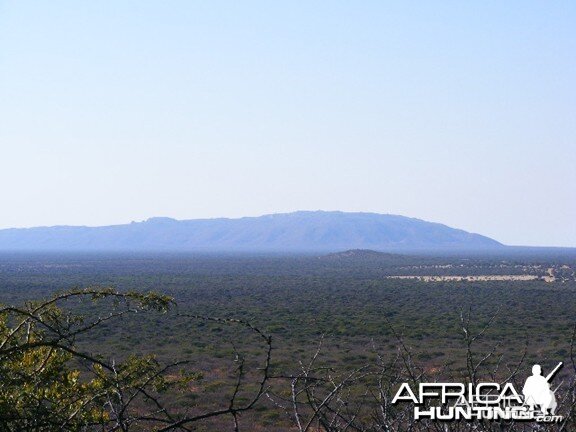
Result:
[{"x": 342, "y": 313}]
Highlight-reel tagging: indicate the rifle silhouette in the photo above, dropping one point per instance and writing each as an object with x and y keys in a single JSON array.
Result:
[{"x": 556, "y": 369}]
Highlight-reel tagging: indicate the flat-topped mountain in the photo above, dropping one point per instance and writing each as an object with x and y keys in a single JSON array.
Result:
[{"x": 303, "y": 231}]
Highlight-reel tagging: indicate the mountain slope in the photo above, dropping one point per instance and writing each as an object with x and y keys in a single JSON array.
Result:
[{"x": 299, "y": 231}]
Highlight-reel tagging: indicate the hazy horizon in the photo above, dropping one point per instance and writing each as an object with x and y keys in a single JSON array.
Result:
[{"x": 449, "y": 112}]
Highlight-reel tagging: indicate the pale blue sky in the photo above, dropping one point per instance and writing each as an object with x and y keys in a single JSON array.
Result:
[{"x": 450, "y": 111}]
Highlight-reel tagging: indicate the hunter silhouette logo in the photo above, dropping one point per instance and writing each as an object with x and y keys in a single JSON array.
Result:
[
  {"x": 485, "y": 400},
  {"x": 537, "y": 392}
]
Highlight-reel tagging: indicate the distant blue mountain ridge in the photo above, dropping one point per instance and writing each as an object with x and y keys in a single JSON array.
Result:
[{"x": 303, "y": 231}]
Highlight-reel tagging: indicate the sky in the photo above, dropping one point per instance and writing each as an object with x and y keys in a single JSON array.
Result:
[{"x": 456, "y": 112}]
